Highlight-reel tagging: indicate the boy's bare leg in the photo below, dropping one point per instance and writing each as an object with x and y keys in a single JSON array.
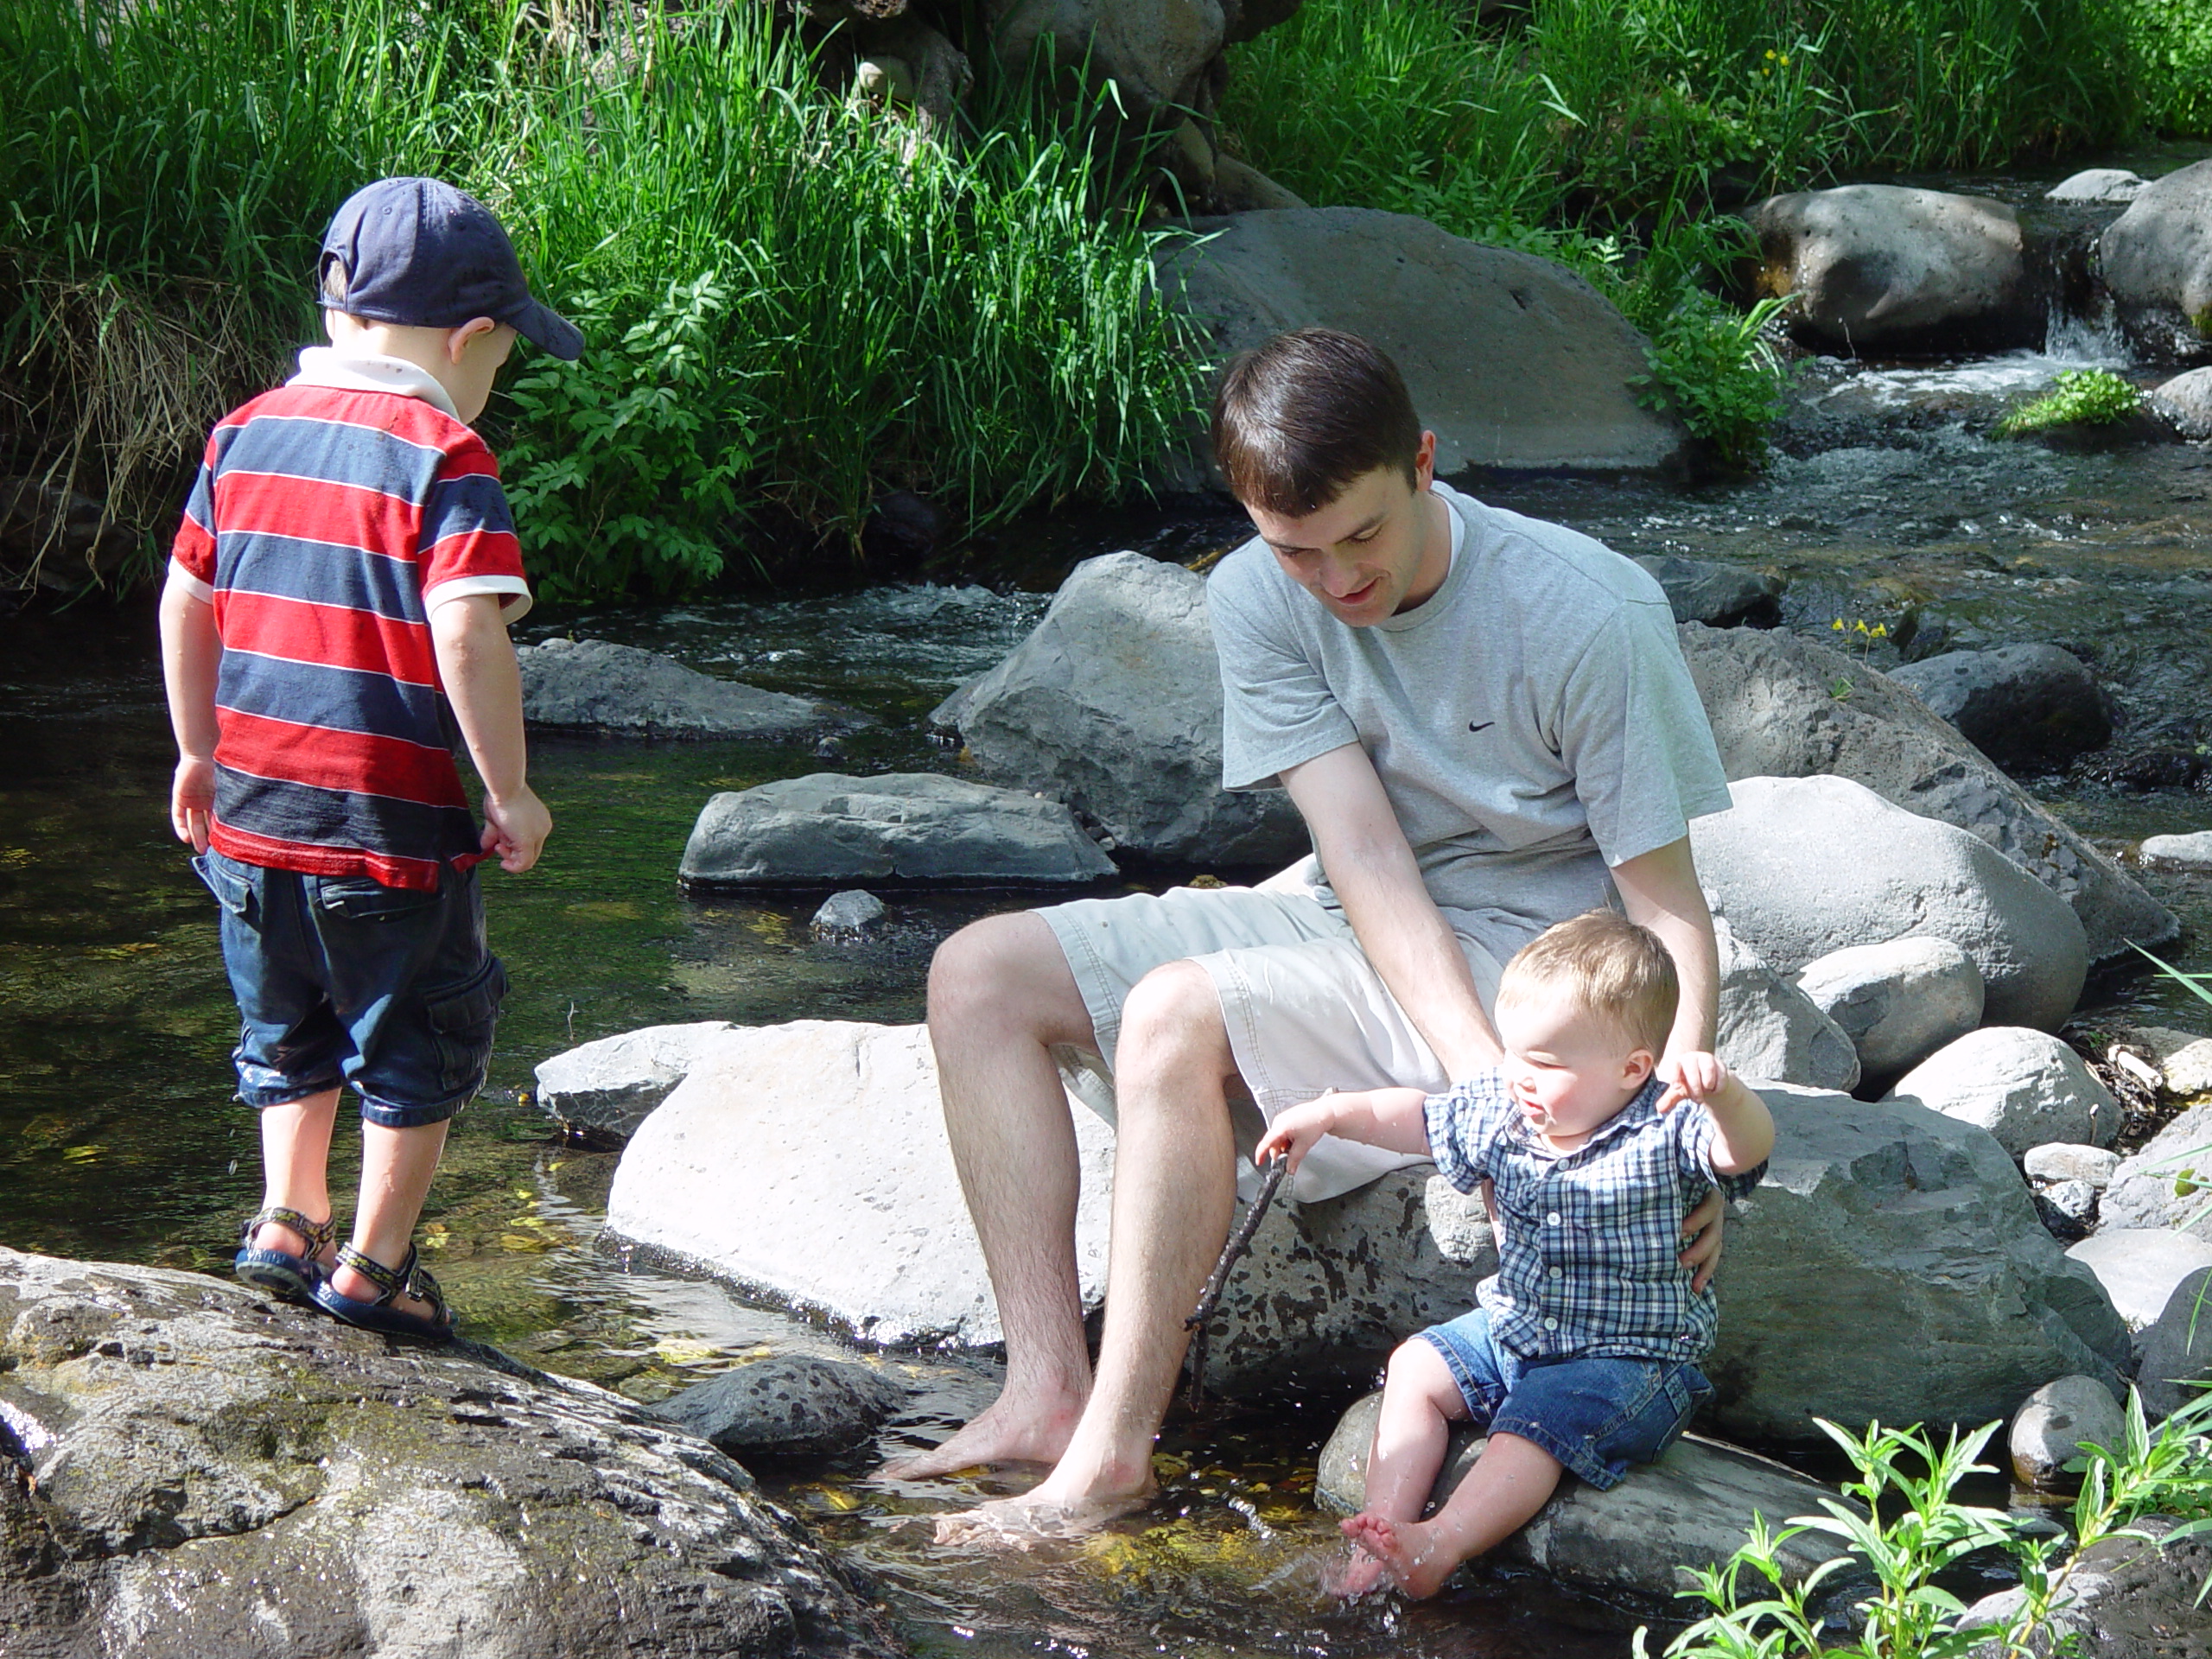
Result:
[
  {"x": 397, "y": 1166},
  {"x": 1000, "y": 997},
  {"x": 1174, "y": 1189},
  {"x": 1507, "y": 1486},
  {"x": 1421, "y": 1402},
  {"x": 294, "y": 1167}
]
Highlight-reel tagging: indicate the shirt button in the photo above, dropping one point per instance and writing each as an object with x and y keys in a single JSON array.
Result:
[
  {"x": 1554, "y": 1272},
  {"x": 1550, "y": 1325},
  {"x": 1552, "y": 1220}
]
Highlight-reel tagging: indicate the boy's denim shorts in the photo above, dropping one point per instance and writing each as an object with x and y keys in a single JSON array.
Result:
[
  {"x": 1596, "y": 1415},
  {"x": 342, "y": 980}
]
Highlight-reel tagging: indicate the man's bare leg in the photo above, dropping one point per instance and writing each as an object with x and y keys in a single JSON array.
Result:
[
  {"x": 1001, "y": 995},
  {"x": 1507, "y": 1485},
  {"x": 1174, "y": 1189},
  {"x": 1421, "y": 1402}
]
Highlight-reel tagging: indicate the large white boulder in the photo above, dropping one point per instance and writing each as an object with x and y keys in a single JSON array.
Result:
[
  {"x": 2027, "y": 1087},
  {"x": 1782, "y": 706},
  {"x": 1112, "y": 704},
  {"x": 1804, "y": 867},
  {"x": 1898, "y": 1002},
  {"x": 2168, "y": 1181},
  {"x": 1513, "y": 360},
  {"x": 2155, "y": 259},
  {"x": 2139, "y": 1267}
]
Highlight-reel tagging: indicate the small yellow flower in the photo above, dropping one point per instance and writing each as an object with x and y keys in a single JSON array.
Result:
[
  {"x": 1837, "y": 626},
  {"x": 1770, "y": 57},
  {"x": 1881, "y": 631},
  {"x": 1783, "y": 61}
]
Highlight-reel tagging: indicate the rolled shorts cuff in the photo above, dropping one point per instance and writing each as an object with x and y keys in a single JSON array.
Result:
[
  {"x": 282, "y": 1089},
  {"x": 386, "y": 1115}
]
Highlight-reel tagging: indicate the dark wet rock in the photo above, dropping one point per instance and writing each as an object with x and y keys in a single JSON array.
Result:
[
  {"x": 787, "y": 1406},
  {"x": 594, "y": 685},
  {"x": 1112, "y": 704},
  {"x": 1883, "y": 267},
  {"x": 1719, "y": 596},
  {"x": 1803, "y": 866},
  {"x": 1769, "y": 1029},
  {"x": 1784, "y": 706},
  {"x": 2185, "y": 403},
  {"x": 2069, "y": 1209},
  {"x": 2098, "y": 184},
  {"x": 1532, "y": 370},
  {"x": 2131, "y": 1597},
  {"x": 2190, "y": 852},
  {"x": 2177, "y": 1347},
  {"x": 198, "y": 1470},
  {"x": 849, "y": 915},
  {"x": 913, "y": 826},
  {"x": 2153, "y": 766},
  {"x": 2168, "y": 1182},
  {"x": 2156, "y": 262},
  {"x": 1690, "y": 1510},
  {"x": 1891, "y": 1266},
  {"x": 2056, "y": 1423},
  {"x": 2026, "y": 707},
  {"x": 607, "y": 1087},
  {"x": 2139, "y": 1267},
  {"x": 2026, "y": 1088},
  {"x": 1897, "y": 1002}
]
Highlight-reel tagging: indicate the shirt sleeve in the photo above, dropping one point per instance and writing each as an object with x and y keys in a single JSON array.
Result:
[
  {"x": 1463, "y": 1123},
  {"x": 193, "y": 550},
  {"x": 1694, "y": 1132},
  {"x": 1636, "y": 737},
  {"x": 468, "y": 544},
  {"x": 1276, "y": 710}
]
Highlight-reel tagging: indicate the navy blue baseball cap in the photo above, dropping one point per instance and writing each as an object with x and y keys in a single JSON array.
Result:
[{"x": 419, "y": 253}]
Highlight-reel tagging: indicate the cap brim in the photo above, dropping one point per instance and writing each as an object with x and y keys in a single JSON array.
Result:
[{"x": 548, "y": 330}]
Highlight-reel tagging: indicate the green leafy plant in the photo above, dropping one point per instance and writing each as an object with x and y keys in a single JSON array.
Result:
[{"x": 2077, "y": 397}]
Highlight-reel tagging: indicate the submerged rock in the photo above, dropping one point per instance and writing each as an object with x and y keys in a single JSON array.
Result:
[
  {"x": 913, "y": 826},
  {"x": 2098, "y": 184},
  {"x": 2026, "y": 707},
  {"x": 1898, "y": 1002},
  {"x": 2027, "y": 1087},
  {"x": 594, "y": 685},
  {"x": 787, "y": 1406},
  {"x": 607, "y": 1087},
  {"x": 1784, "y": 706},
  {"x": 1689, "y": 1509},
  {"x": 1112, "y": 704},
  {"x": 1514, "y": 360},
  {"x": 204, "y": 1471},
  {"x": 2190, "y": 852},
  {"x": 848, "y": 915},
  {"x": 2156, "y": 262}
]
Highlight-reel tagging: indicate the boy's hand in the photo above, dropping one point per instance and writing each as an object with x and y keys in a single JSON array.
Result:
[
  {"x": 515, "y": 830},
  {"x": 1293, "y": 1134},
  {"x": 1691, "y": 1077},
  {"x": 192, "y": 802}
]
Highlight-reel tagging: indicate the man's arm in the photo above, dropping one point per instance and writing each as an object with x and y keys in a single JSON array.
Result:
[
  {"x": 192, "y": 654},
  {"x": 476, "y": 661},
  {"x": 1659, "y": 890},
  {"x": 1397, "y": 924}
]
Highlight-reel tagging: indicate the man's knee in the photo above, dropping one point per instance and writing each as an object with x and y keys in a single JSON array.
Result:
[
  {"x": 1175, "y": 1007},
  {"x": 1006, "y": 971}
]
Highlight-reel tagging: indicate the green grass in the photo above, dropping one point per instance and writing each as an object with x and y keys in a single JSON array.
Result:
[{"x": 2077, "y": 397}]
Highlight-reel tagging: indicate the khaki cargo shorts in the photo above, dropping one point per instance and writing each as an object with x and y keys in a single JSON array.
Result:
[{"x": 1304, "y": 1010}]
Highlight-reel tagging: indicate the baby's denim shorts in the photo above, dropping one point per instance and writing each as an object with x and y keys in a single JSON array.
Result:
[
  {"x": 1596, "y": 1415},
  {"x": 342, "y": 980}
]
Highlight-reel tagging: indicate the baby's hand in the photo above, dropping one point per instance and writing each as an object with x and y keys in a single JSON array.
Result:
[
  {"x": 1696, "y": 1077},
  {"x": 1292, "y": 1135}
]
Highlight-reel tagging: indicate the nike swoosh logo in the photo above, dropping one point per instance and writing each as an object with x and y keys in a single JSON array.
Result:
[{"x": 1483, "y": 726}]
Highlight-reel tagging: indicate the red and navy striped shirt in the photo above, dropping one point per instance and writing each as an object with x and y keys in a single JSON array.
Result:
[{"x": 330, "y": 517}]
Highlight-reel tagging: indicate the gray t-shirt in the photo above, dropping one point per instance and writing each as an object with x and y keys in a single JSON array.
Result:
[{"x": 1533, "y": 721}]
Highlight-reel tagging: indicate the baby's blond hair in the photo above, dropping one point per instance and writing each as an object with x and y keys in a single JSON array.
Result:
[{"x": 1608, "y": 966}]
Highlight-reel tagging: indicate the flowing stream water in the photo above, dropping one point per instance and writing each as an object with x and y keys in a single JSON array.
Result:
[{"x": 1887, "y": 503}]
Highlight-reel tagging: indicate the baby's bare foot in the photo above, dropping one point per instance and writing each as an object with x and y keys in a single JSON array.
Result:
[{"x": 1413, "y": 1553}]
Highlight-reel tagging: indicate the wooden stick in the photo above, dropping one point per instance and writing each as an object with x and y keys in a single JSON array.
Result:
[{"x": 1239, "y": 1241}]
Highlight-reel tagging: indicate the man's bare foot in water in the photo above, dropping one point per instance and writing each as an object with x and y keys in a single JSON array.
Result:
[
  {"x": 1008, "y": 1430},
  {"x": 1035, "y": 1518},
  {"x": 1414, "y": 1553}
]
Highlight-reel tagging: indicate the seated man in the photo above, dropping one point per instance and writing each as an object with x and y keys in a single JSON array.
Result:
[{"x": 1487, "y": 725}]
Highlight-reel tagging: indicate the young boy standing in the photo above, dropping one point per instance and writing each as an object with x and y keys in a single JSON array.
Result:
[
  {"x": 1582, "y": 1352},
  {"x": 333, "y": 626}
]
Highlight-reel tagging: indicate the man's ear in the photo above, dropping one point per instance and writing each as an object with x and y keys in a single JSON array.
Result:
[
  {"x": 1425, "y": 463},
  {"x": 457, "y": 340}
]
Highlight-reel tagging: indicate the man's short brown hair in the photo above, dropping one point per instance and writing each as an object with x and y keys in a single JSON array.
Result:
[
  {"x": 1606, "y": 964},
  {"x": 1298, "y": 419}
]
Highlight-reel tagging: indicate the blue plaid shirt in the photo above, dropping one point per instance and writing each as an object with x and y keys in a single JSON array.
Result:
[{"x": 1587, "y": 1266}]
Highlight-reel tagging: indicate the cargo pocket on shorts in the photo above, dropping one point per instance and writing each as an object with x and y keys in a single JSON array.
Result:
[{"x": 462, "y": 1020}]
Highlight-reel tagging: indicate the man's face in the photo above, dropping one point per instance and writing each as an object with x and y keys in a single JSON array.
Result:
[{"x": 1373, "y": 552}]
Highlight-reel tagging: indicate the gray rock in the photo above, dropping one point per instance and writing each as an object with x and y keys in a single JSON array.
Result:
[
  {"x": 197, "y": 1470},
  {"x": 1891, "y": 1267},
  {"x": 1689, "y": 1509},
  {"x": 2027, "y": 1087},
  {"x": 1785, "y": 707},
  {"x": 1719, "y": 596},
  {"x": 2069, "y": 1208},
  {"x": 2026, "y": 707},
  {"x": 1112, "y": 704},
  {"x": 598, "y": 686},
  {"x": 2167, "y": 1182},
  {"x": 2185, "y": 401},
  {"x": 1803, "y": 866},
  {"x": 2157, "y": 261},
  {"x": 1239, "y": 188},
  {"x": 787, "y": 1405},
  {"x": 913, "y": 826},
  {"x": 1769, "y": 1029},
  {"x": 2097, "y": 184},
  {"x": 2061, "y": 1161},
  {"x": 2177, "y": 1347},
  {"x": 1880, "y": 265},
  {"x": 1155, "y": 52},
  {"x": 2139, "y": 1267},
  {"x": 1534, "y": 369},
  {"x": 2184, "y": 1058},
  {"x": 1898, "y": 1002},
  {"x": 2127, "y": 1598},
  {"x": 2056, "y": 1423},
  {"x": 609, "y": 1085},
  {"x": 2190, "y": 852},
  {"x": 849, "y": 914}
]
